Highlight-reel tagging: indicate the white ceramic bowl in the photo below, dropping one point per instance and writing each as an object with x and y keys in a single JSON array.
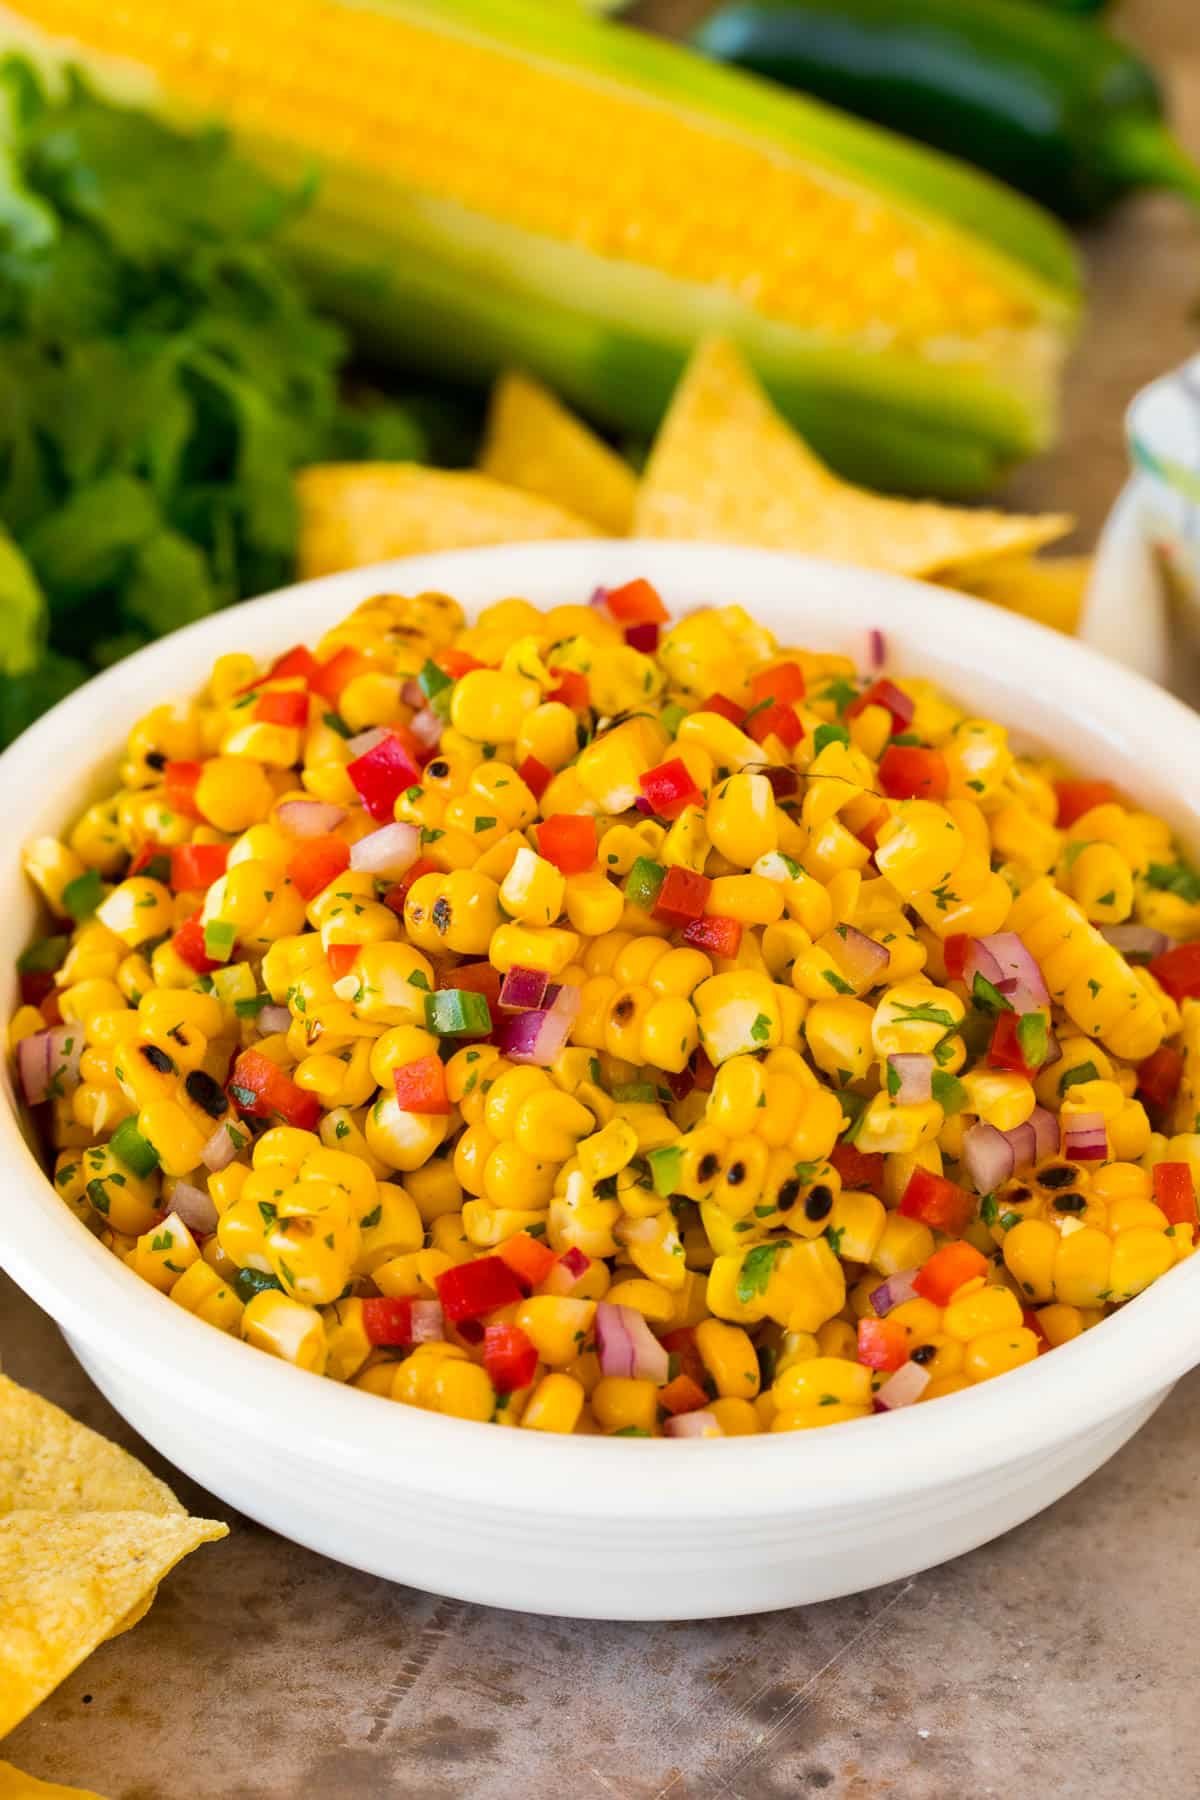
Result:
[{"x": 585, "y": 1526}]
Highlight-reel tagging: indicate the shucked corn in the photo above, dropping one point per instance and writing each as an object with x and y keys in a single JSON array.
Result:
[{"x": 623, "y": 1037}]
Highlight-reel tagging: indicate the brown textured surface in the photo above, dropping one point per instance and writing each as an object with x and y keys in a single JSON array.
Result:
[{"x": 1060, "y": 1659}]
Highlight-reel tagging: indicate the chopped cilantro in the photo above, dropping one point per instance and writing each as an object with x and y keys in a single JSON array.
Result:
[
  {"x": 755, "y": 1271},
  {"x": 1086, "y": 1071},
  {"x": 760, "y": 1031},
  {"x": 987, "y": 997},
  {"x": 829, "y": 734},
  {"x": 836, "y": 982}
]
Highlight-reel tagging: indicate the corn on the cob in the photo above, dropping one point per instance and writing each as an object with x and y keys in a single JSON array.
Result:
[{"x": 683, "y": 197}]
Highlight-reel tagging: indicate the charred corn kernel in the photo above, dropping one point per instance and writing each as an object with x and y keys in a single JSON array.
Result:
[
  {"x": 821, "y": 1381},
  {"x": 729, "y": 1359},
  {"x": 995, "y": 1352},
  {"x": 622, "y": 1403},
  {"x": 554, "y": 1405},
  {"x": 458, "y": 911},
  {"x": 557, "y": 1325},
  {"x": 207, "y": 1295}
]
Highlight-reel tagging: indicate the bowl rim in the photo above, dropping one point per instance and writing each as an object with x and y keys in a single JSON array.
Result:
[{"x": 1133, "y": 1355}]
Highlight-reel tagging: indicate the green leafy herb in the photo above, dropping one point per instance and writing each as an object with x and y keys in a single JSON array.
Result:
[
  {"x": 1086, "y": 1071},
  {"x": 1175, "y": 878},
  {"x": 755, "y": 1271},
  {"x": 829, "y": 734},
  {"x": 987, "y": 997},
  {"x": 665, "y": 1168},
  {"x": 840, "y": 693},
  {"x": 835, "y": 1234},
  {"x": 925, "y": 1014},
  {"x": 836, "y": 982},
  {"x": 760, "y": 1031},
  {"x": 82, "y": 896},
  {"x": 989, "y": 1211},
  {"x": 949, "y": 1092}
]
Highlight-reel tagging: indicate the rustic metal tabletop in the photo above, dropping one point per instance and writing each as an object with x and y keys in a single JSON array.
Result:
[{"x": 1063, "y": 1655}]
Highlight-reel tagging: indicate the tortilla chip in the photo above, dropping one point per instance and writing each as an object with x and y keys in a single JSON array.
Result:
[
  {"x": 16, "y": 1785},
  {"x": 50, "y": 1462},
  {"x": 533, "y": 443},
  {"x": 66, "y": 1579},
  {"x": 725, "y": 467},
  {"x": 352, "y": 514},
  {"x": 1050, "y": 589}
]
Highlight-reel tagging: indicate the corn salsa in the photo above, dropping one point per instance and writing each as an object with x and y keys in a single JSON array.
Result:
[{"x": 587, "y": 1022}]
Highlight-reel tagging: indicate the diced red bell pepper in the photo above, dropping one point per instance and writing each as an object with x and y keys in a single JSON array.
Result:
[
  {"x": 1178, "y": 971},
  {"x": 381, "y": 774},
  {"x": 396, "y": 896},
  {"x": 456, "y": 663},
  {"x": 682, "y": 897},
  {"x": 861, "y": 1170},
  {"x": 188, "y": 945},
  {"x": 938, "y": 1203},
  {"x": 34, "y": 986},
  {"x": 529, "y": 1259},
  {"x": 536, "y": 776},
  {"x": 716, "y": 937},
  {"x": 784, "y": 683},
  {"x": 1006, "y": 1050},
  {"x": 886, "y": 694},
  {"x": 728, "y": 709},
  {"x": 868, "y": 834},
  {"x": 954, "y": 954},
  {"x": 643, "y": 637},
  {"x": 681, "y": 1344},
  {"x": 703, "y": 1072},
  {"x": 387, "y": 1321},
  {"x": 149, "y": 853},
  {"x": 910, "y": 772},
  {"x": 774, "y": 720},
  {"x": 421, "y": 1087},
  {"x": 316, "y": 862},
  {"x": 882, "y": 1343},
  {"x": 298, "y": 663},
  {"x": 341, "y": 959},
  {"x": 285, "y": 706},
  {"x": 50, "y": 1009},
  {"x": 683, "y": 1395},
  {"x": 1158, "y": 1078},
  {"x": 509, "y": 1357},
  {"x": 669, "y": 788},
  {"x": 636, "y": 603},
  {"x": 472, "y": 1289},
  {"x": 1175, "y": 1193},
  {"x": 1032, "y": 1322},
  {"x": 343, "y": 667},
  {"x": 947, "y": 1270},
  {"x": 573, "y": 689},
  {"x": 1078, "y": 797},
  {"x": 180, "y": 780},
  {"x": 259, "y": 1087},
  {"x": 197, "y": 865},
  {"x": 477, "y": 978},
  {"x": 568, "y": 840}
]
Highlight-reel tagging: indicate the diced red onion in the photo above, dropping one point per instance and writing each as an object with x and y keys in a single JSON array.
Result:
[
  {"x": 1135, "y": 940},
  {"x": 894, "y": 1291},
  {"x": 48, "y": 1062},
  {"x": 412, "y": 693},
  {"x": 988, "y": 1156},
  {"x": 915, "y": 1076},
  {"x": 1002, "y": 959},
  {"x": 427, "y": 727},
  {"x": 195, "y": 1207},
  {"x": 692, "y": 1425},
  {"x": 599, "y": 597},
  {"x": 565, "y": 1000},
  {"x": 272, "y": 1019},
  {"x": 576, "y": 1262},
  {"x": 533, "y": 1037},
  {"x": 784, "y": 781},
  {"x": 1022, "y": 1140},
  {"x": 310, "y": 818},
  {"x": 391, "y": 851},
  {"x": 903, "y": 1388},
  {"x": 863, "y": 961},
  {"x": 1053, "y": 1050},
  {"x": 366, "y": 740},
  {"x": 626, "y": 1345},
  {"x": 522, "y": 990},
  {"x": 876, "y": 648},
  {"x": 567, "y": 1272},
  {"x": 1084, "y": 1137},
  {"x": 1045, "y": 1127},
  {"x": 219, "y": 1151},
  {"x": 428, "y": 1322}
]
